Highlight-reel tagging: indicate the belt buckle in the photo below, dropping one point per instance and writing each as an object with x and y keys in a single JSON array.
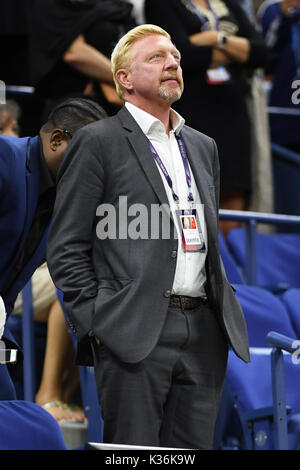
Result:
[{"x": 185, "y": 302}]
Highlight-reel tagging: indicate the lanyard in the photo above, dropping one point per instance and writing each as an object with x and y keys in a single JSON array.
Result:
[
  {"x": 202, "y": 17},
  {"x": 185, "y": 165}
]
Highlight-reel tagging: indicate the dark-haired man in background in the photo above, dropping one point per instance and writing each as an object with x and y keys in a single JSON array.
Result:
[{"x": 28, "y": 169}]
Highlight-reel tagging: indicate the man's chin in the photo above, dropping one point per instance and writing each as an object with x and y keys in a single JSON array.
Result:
[{"x": 169, "y": 96}]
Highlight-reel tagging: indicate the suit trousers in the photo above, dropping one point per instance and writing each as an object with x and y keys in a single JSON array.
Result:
[{"x": 171, "y": 398}]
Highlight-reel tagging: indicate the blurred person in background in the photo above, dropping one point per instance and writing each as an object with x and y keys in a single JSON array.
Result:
[
  {"x": 220, "y": 49},
  {"x": 28, "y": 172},
  {"x": 70, "y": 43},
  {"x": 10, "y": 113},
  {"x": 280, "y": 25}
]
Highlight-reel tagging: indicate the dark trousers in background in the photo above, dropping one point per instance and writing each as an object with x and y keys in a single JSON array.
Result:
[{"x": 171, "y": 398}]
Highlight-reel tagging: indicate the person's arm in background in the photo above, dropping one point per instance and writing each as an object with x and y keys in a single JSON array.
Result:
[
  {"x": 248, "y": 48},
  {"x": 195, "y": 56},
  {"x": 258, "y": 52},
  {"x": 202, "y": 47},
  {"x": 88, "y": 60},
  {"x": 237, "y": 48}
]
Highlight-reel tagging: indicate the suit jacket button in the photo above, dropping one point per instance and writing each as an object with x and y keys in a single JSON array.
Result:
[
  {"x": 174, "y": 254},
  {"x": 167, "y": 293}
]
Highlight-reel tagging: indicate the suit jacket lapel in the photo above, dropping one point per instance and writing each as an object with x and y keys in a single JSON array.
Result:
[
  {"x": 202, "y": 181},
  {"x": 206, "y": 192},
  {"x": 140, "y": 146}
]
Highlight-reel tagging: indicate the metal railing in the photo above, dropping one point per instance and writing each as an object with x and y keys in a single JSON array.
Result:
[
  {"x": 279, "y": 344},
  {"x": 285, "y": 154}
]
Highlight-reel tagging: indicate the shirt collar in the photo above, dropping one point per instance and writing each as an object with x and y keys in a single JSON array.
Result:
[{"x": 151, "y": 125}]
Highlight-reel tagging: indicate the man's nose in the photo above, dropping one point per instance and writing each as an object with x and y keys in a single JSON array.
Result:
[{"x": 171, "y": 62}]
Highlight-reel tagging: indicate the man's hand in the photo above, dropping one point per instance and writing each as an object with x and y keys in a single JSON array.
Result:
[{"x": 2, "y": 317}]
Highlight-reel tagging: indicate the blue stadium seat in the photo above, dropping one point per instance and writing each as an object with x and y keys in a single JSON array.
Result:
[
  {"x": 263, "y": 312},
  {"x": 247, "y": 399},
  {"x": 245, "y": 418},
  {"x": 232, "y": 271},
  {"x": 89, "y": 393},
  {"x": 278, "y": 258},
  {"x": 7, "y": 388},
  {"x": 291, "y": 300},
  {"x": 91, "y": 404},
  {"x": 27, "y": 426}
]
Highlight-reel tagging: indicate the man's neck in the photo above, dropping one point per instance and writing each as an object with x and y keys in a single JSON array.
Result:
[{"x": 160, "y": 111}]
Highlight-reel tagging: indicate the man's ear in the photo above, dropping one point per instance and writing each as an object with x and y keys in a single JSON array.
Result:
[
  {"x": 58, "y": 138},
  {"x": 124, "y": 78}
]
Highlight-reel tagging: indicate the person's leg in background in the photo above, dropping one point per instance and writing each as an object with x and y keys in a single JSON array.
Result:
[{"x": 60, "y": 377}]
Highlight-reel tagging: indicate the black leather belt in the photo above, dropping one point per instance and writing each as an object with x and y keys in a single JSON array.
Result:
[{"x": 187, "y": 303}]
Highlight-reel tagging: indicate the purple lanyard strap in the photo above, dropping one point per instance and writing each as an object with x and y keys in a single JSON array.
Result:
[{"x": 185, "y": 165}]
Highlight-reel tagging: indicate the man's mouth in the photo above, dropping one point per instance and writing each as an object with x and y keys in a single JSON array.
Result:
[{"x": 172, "y": 79}]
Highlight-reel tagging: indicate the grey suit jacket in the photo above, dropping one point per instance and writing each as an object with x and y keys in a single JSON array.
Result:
[{"x": 118, "y": 288}]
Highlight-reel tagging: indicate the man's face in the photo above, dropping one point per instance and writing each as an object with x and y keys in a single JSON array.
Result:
[{"x": 155, "y": 72}]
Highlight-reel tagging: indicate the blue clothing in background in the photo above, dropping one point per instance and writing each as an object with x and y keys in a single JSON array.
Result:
[{"x": 282, "y": 37}]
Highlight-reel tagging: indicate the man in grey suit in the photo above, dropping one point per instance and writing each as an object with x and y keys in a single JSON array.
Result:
[{"x": 134, "y": 248}]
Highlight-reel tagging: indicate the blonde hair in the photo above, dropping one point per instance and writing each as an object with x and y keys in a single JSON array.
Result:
[{"x": 120, "y": 57}]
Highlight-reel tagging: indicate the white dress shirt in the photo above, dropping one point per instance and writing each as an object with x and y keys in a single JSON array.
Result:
[{"x": 190, "y": 274}]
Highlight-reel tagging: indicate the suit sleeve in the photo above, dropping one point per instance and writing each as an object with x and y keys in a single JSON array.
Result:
[
  {"x": 7, "y": 163},
  {"x": 79, "y": 192}
]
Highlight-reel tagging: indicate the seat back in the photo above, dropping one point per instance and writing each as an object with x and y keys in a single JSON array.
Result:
[
  {"x": 27, "y": 426},
  {"x": 248, "y": 387},
  {"x": 232, "y": 271},
  {"x": 277, "y": 257},
  {"x": 251, "y": 382},
  {"x": 248, "y": 392},
  {"x": 88, "y": 392},
  {"x": 263, "y": 312},
  {"x": 291, "y": 300}
]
